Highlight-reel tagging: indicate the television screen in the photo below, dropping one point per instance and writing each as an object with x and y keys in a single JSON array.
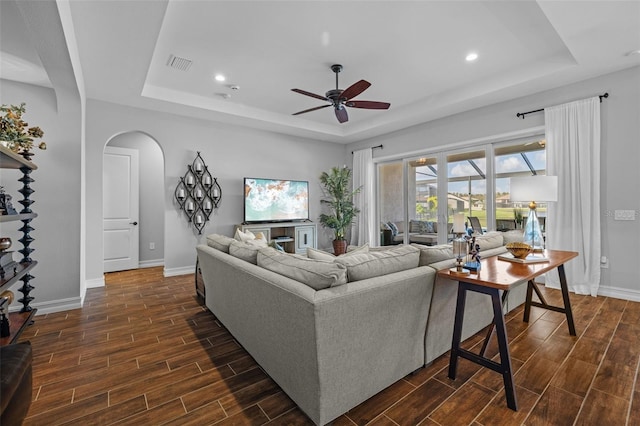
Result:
[{"x": 273, "y": 200}]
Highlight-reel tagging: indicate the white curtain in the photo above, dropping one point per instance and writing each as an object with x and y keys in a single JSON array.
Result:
[
  {"x": 573, "y": 154},
  {"x": 364, "y": 230}
]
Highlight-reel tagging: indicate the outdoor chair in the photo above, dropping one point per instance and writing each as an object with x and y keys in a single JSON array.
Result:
[{"x": 475, "y": 224}]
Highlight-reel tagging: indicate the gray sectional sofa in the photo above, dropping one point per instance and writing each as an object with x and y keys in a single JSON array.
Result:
[{"x": 333, "y": 332}]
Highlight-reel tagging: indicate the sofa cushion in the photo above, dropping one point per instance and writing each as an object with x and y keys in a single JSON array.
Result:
[
  {"x": 514, "y": 236},
  {"x": 324, "y": 255},
  {"x": 219, "y": 242},
  {"x": 361, "y": 266},
  {"x": 490, "y": 240},
  {"x": 246, "y": 251},
  {"x": 317, "y": 274},
  {"x": 319, "y": 254},
  {"x": 434, "y": 254}
]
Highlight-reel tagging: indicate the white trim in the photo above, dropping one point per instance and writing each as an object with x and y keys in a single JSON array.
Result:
[
  {"x": 184, "y": 270},
  {"x": 619, "y": 293},
  {"x": 150, "y": 263},
  {"x": 95, "y": 282},
  {"x": 54, "y": 306},
  {"x": 502, "y": 137}
]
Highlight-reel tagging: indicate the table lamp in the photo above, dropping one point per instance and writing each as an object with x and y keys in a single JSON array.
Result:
[
  {"x": 532, "y": 189},
  {"x": 459, "y": 245}
]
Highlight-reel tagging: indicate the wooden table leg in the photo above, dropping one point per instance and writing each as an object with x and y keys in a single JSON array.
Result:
[
  {"x": 532, "y": 286},
  {"x": 504, "y": 366},
  {"x": 503, "y": 346},
  {"x": 457, "y": 330},
  {"x": 567, "y": 302}
]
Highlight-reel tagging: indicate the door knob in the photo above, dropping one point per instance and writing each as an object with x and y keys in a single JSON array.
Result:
[{"x": 133, "y": 223}]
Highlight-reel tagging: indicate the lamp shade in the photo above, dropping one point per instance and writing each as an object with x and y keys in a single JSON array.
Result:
[{"x": 534, "y": 188}]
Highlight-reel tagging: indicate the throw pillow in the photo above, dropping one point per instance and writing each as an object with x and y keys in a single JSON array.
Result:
[
  {"x": 394, "y": 228},
  {"x": 361, "y": 266},
  {"x": 244, "y": 236},
  {"x": 429, "y": 228},
  {"x": 317, "y": 274},
  {"x": 276, "y": 246},
  {"x": 219, "y": 242}
]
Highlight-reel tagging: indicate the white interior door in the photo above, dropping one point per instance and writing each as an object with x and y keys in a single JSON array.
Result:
[{"x": 120, "y": 186}]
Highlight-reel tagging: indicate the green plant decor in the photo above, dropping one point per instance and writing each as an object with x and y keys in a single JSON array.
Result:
[
  {"x": 517, "y": 215},
  {"x": 338, "y": 200},
  {"x": 14, "y": 131}
]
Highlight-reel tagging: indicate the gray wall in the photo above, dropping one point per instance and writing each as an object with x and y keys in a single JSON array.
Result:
[
  {"x": 620, "y": 157},
  {"x": 57, "y": 196},
  {"x": 151, "y": 212},
  {"x": 231, "y": 153}
]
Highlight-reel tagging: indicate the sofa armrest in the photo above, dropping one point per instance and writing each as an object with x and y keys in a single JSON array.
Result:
[{"x": 15, "y": 382}]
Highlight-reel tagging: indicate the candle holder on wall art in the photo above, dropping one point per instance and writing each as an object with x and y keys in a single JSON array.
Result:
[{"x": 198, "y": 193}]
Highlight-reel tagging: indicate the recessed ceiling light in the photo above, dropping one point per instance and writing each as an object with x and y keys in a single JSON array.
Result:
[
  {"x": 220, "y": 77},
  {"x": 471, "y": 57}
]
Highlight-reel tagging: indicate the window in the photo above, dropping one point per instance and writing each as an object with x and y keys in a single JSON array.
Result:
[
  {"x": 512, "y": 160},
  {"x": 474, "y": 181}
]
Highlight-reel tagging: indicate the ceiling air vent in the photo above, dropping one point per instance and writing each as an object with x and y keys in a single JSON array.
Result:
[{"x": 179, "y": 63}]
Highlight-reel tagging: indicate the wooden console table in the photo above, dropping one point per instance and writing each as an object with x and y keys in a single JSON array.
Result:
[{"x": 493, "y": 276}]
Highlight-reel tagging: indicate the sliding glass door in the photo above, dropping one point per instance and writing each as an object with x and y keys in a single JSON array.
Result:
[
  {"x": 420, "y": 195},
  {"x": 467, "y": 186}
]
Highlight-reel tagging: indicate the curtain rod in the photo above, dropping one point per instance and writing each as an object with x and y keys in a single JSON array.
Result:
[
  {"x": 522, "y": 114},
  {"x": 374, "y": 147}
]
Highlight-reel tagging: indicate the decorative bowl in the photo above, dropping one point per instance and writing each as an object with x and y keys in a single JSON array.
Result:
[
  {"x": 5, "y": 243},
  {"x": 519, "y": 250}
]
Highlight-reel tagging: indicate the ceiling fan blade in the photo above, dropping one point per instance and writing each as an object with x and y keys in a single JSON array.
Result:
[
  {"x": 355, "y": 89},
  {"x": 341, "y": 115},
  {"x": 311, "y": 109},
  {"x": 313, "y": 95},
  {"x": 368, "y": 104}
]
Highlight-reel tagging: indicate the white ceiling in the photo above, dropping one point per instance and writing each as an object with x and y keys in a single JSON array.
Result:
[{"x": 412, "y": 52}]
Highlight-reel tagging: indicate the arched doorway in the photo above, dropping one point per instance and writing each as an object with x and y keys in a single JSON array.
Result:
[{"x": 150, "y": 200}]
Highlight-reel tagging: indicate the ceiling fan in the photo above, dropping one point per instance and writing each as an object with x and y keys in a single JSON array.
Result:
[{"x": 339, "y": 99}]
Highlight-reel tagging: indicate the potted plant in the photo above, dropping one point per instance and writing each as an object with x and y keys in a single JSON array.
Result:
[
  {"x": 339, "y": 202},
  {"x": 517, "y": 216},
  {"x": 15, "y": 133}
]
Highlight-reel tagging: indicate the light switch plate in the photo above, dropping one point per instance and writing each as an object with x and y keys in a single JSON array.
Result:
[{"x": 624, "y": 215}]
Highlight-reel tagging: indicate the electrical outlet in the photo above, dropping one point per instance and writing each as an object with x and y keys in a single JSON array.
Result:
[
  {"x": 604, "y": 262},
  {"x": 152, "y": 246},
  {"x": 624, "y": 215}
]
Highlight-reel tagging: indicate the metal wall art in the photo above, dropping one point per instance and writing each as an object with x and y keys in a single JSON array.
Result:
[{"x": 198, "y": 193}]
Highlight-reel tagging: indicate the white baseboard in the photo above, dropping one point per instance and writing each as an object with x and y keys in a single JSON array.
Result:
[
  {"x": 95, "y": 282},
  {"x": 150, "y": 263},
  {"x": 54, "y": 306},
  {"x": 619, "y": 293},
  {"x": 184, "y": 270}
]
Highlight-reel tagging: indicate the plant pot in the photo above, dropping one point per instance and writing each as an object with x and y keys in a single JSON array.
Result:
[{"x": 339, "y": 247}]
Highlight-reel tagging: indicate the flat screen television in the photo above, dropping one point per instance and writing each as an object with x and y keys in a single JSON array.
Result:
[{"x": 275, "y": 200}]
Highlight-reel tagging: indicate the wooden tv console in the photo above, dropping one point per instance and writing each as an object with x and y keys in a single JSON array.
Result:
[{"x": 294, "y": 237}]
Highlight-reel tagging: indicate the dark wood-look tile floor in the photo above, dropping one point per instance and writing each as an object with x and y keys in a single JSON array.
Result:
[{"x": 142, "y": 350}]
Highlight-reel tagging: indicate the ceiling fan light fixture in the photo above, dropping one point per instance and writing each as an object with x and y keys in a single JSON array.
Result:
[
  {"x": 471, "y": 57},
  {"x": 339, "y": 99}
]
